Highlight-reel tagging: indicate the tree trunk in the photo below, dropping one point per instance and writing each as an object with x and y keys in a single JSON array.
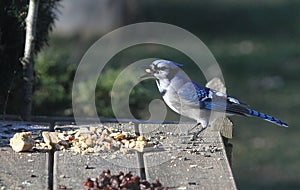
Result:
[{"x": 27, "y": 60}]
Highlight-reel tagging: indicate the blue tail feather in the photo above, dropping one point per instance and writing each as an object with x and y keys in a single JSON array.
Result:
[
  {"x": 236, "y": 108},
  {"x": 266, "y": 117}
]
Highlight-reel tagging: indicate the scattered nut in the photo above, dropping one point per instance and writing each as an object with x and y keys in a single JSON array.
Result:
[
  {"x": 62, "y": 187},
  {"x": 62, "y": 176},
  {"x": 141, "y": 138},
  {"x": 90, "y": 140},
  {"x": 22, "y": 141},
  {"x": 117, "y": 136},
  {"x": 121, "y": 181},
  {"x": 132, "y": 144}
]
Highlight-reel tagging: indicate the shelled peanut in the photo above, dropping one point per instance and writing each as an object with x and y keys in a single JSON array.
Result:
[{"x": 92, "y": 140}]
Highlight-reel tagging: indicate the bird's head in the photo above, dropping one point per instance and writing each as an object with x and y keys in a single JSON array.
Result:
[{"x": 162, "y": 69}]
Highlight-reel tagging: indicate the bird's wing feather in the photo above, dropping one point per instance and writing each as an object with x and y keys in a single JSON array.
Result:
[{"x": 199, "y": 96}]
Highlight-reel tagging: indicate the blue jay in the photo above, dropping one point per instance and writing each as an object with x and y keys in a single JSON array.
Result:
[{"x": 194, "y": 100}]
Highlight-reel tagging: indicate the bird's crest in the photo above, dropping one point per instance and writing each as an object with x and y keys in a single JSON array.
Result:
[{"x": 167, "y": 61}]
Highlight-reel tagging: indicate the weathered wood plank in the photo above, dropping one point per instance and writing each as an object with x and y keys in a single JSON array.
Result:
[
  {"x": 26, "y": 170},
  {"x": 69, "y": 167},
  {"x": 23, "y": 170},
  {"x": 188, "y": 165}
]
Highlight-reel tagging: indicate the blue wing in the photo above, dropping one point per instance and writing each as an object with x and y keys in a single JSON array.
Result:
[
  {"x": 199, "y": 96},
  {"x": 213, "y": 100}
]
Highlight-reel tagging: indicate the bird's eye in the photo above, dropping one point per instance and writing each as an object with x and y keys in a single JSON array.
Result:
[{"x": 162, "y": 68}]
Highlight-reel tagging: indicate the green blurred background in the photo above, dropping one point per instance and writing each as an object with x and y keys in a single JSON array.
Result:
[{"x": 256, "y": 44}]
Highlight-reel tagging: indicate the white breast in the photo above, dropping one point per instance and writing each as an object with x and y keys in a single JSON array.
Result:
[{"x": 172, "y": 101}]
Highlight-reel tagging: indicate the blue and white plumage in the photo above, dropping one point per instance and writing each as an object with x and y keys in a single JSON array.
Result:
[{"x": 194, "y": 100}]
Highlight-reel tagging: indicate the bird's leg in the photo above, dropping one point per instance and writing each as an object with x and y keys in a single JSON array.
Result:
[
  {"x": 195, "y": 135},
  {"x": 194, "y": 127}
]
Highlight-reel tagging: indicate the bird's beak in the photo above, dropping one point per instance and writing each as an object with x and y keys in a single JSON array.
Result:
[{"x": 149, "y": 73}]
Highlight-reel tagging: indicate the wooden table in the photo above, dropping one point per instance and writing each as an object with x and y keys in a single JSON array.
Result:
[{"x": 179, "y": 163}]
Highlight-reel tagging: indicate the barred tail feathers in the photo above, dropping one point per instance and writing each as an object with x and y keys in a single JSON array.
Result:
[
  {"x": 266, "y": 117},
  {"x": 241, "y": 109}
]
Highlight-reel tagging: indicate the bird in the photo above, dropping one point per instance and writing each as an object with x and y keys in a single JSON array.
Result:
[{"x": 194, "y": 100}]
